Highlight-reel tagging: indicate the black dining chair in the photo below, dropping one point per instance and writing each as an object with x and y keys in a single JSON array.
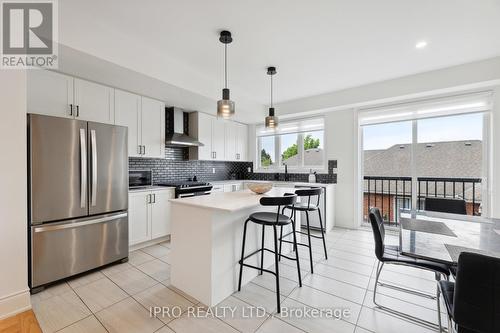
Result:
[
  {"x": 473, "y": 300},
  {"x": 309, "y": 205},
  {"x": 390, "y": 255},
  {"x": 445, "y": 205},
  {"x": 273, "y": 220}
]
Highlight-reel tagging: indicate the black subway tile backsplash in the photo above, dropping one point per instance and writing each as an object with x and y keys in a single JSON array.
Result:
[{"x": 175, "y": 167}]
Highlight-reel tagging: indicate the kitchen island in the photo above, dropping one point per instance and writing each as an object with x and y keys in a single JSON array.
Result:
[{"x": 206, "y": 241}]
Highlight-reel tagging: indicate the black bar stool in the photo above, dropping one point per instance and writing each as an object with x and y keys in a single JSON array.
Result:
[
  {"x": 306, "y": 207},
  {"x": 274, "y": 220}
]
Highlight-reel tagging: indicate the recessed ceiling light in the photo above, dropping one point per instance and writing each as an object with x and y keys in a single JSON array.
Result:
[{"x": 421, "y": 44}]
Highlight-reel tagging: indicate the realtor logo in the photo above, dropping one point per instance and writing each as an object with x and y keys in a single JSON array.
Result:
[{"x": 29, "y": 34}]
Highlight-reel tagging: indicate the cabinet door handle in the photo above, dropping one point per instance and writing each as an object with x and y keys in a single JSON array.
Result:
[
  {"x": 144, "y": 150},
  {"x": 149, "y": 198},
  {"x": 78, "y": 110},
  {"x": 71, "y": 109},
  {"x": 154, "y": 198},
  {"x": 139, "y": 149}
]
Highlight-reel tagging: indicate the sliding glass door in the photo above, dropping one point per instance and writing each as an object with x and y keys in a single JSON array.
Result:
[
  {"x": 387, "y": 168},
  {"x": 449, "y": 160},
  {"x": 415, "y": 152}
]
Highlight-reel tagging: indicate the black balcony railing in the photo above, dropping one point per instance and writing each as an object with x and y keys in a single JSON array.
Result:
[{"x": 390, "y": 194}]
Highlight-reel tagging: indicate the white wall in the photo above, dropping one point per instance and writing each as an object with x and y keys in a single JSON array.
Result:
[
  {"x": 14, "y": 293},
  {"x": 413, "y": 86},
  {"x": 341, "y": 145},
  {"x": 341, "y": 122},
  {"x": 495, "y": 156}
]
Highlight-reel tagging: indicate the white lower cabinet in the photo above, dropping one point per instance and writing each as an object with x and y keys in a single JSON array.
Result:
[
  {"x": 149, "y": 215},
  {"x": 160, "y": 213},
  {"x": 138, "y": 217}
]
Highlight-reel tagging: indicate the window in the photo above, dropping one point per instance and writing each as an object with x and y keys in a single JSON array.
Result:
[
  {"x": 266, "y": 149},
  {"x": 299, "y": 145},
  {"x": 289, "y": 151},
  {"x": 313, "y": 149},
  {"x": 431, "y": 148}
]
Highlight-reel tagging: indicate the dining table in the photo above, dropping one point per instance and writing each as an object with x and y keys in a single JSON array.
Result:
[{"x": 441, "y": 237}]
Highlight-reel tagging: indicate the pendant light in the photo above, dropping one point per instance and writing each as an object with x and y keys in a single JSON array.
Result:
[
  {"x": 225, "y": 106},
  {"x": 271, "y": 119}
]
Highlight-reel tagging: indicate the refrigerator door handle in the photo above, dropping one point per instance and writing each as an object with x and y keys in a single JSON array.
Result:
[
  {"x": 79, "y": 224},
  {"x": 94, "y": 166},
  {"x": 83, "y": 168}
]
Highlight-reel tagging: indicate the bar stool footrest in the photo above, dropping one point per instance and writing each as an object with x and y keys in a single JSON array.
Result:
[
  {"x": 290, "y": 242},
  {"x": 302, "y": 233},
  {"x": 257, "y": 268}
]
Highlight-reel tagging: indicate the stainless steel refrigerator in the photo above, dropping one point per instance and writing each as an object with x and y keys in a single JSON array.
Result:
[{"x": 78, "y": 197}]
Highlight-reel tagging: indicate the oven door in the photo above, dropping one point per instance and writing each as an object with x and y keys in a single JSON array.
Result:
[{"x": 192, "y": 194}]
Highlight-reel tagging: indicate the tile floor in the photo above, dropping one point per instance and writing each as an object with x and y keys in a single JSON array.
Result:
[{"x": 118, "y": 298}]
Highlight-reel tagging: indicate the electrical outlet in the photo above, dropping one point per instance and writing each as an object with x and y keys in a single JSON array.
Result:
[
  {"x": 249, "y": 169},
  {"x": 213, "y": 170}
]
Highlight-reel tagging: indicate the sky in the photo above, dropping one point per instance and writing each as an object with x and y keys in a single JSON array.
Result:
[{"x": 452, "y": 128}]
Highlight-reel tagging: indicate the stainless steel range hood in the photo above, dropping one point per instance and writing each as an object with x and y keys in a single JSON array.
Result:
[{"x": 175, "y": 136}]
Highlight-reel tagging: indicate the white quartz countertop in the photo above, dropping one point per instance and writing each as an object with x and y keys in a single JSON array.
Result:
[
  {"x": 281, "y": 183},
  {"x": 230, "y": 201}
]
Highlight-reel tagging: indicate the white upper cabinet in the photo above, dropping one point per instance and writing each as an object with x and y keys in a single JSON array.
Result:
[
  {"x": 203, "y": 133},
  {"x": 153, "y": 127},
  {"x": 242, "y": 145},
  {"x": 94, "y": 102},
  {"x": 50, "y": 93},
  {"x": 60, "y": 95},
  {"x": 231, "y": 141},
  {"x": 145, "y": 119},
  {"x": 128, "y": 113},
  {"x": 218, "y": 139},
  {"x": 223, "y": 140},
  {"x": 236, "y": 137}
]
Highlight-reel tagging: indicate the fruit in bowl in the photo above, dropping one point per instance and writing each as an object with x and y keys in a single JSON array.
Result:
[{"x": 261, "y": 187}]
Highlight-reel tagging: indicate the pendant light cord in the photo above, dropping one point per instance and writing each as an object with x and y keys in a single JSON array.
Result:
[
  {"x": 271, "y": 90},
  {"x": 225, "y": 65}
]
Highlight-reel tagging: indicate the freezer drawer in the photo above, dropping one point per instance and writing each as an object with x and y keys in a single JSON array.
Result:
[{"x": 59, "y": 250}]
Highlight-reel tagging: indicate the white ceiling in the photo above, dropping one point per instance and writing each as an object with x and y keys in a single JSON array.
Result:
[{"x": 317, "y": 46}]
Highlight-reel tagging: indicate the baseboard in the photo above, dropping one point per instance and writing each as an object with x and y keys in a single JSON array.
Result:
[
  {"x": 13, "y": 304},
  {"x": 149, "y": 243}
]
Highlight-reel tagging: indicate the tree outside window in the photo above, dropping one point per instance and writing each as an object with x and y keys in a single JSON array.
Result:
[
  {"x": 313, "y": 148},
  {"x": 299, "y": 150},
  {"x": 267, "y": 152},
  {"x": 265, "y": 158},
  {"x": 289, "y": 150}
]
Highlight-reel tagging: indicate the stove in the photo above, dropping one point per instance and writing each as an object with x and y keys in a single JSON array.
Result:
[{"x": 185, "y": 189}]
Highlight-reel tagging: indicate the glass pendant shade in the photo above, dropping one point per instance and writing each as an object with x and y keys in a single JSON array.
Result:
[
  {"x": 271, "y": 120},
  {"x": 225, "y": 106}
]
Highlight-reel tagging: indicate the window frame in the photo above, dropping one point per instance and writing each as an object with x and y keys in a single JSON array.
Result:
[{"x": 278, "y": 163}]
